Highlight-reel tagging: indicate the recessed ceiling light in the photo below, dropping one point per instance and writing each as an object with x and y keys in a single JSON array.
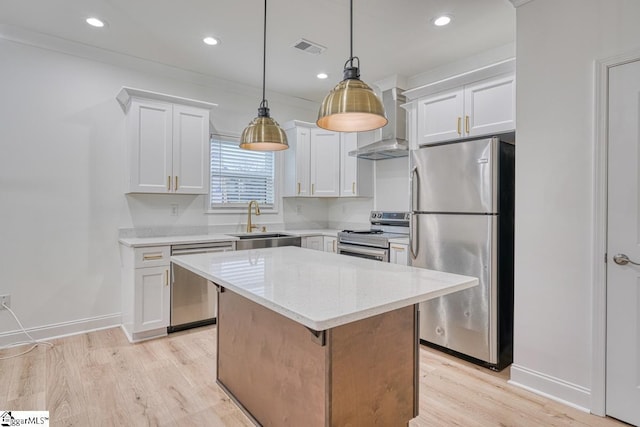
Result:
[
  {"x": 211, "y": 41},
  {"x": 95, "y": 22},
  {"x": 322, "y": 76},
  {"x": 441, "y": 21}
]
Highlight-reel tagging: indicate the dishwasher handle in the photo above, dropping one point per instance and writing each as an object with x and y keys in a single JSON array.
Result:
[
  {"x": 202, "y": 251},
  {"x": 201, "y": 248}
]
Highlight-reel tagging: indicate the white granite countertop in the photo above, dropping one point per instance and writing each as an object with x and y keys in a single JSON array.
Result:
[
  {"x": 135, "y": 242},
  {"x": 313, "y": 232},
  {"x": 321, "y": 290}
]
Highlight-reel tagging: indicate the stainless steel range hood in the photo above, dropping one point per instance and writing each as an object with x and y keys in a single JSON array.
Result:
[{"x": 393, "y": 143}]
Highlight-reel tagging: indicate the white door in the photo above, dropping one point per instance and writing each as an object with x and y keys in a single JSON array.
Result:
[
  {"x": 440, "y": 117},
  {"x": 325, "y": 163},
  {"x": 623, "y": 238},
  {"x": 150, "y": 125},
  {"x": 348, "y": 165},
  {"x": 190, "y": 150},
  {"x": 490, "y": 106}
]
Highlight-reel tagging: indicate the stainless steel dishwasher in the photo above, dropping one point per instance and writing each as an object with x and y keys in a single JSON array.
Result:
[{"x": 194, "y": 299}]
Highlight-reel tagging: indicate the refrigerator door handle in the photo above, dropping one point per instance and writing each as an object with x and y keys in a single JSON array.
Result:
[
  {"x": 413, "y": 238},
  {"x": 414, "y": 191}
]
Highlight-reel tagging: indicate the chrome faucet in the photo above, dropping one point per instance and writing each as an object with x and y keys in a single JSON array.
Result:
[{"x": 250, "y": 226}]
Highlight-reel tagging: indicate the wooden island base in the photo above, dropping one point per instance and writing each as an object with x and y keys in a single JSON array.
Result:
[{"x": 281, "y": 373}]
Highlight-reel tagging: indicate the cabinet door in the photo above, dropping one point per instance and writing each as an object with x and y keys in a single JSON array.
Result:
[
  {"x": 330, "y": 244},
  {"x": 303, "y": 156},
  {"x": 312, "y": 242},
  {"x": 348, "y": 165},
  {"x": 398, "y": 254},
  {"x": 150, "y": 150},
  {"x": 440, "y": 117},
  {"x": 190, "y": 150},
  {"x": 325, "y": 163},
  {"x": 151, "y": 298},
  {"x": 490, "y": 106}
]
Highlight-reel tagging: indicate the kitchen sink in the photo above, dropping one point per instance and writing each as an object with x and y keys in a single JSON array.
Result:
[{"x": 265, "y": 240}]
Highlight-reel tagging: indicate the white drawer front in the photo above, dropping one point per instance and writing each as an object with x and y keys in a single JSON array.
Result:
[{"x": 152, "y": 256}]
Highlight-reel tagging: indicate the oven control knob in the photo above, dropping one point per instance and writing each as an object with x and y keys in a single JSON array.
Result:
[{"x": 439, "y": 330}]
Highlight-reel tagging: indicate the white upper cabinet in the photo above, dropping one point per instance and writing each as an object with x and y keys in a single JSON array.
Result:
[
  {"x": 356, "y": 175},
  {"x": 312, "y": 162},
  {"x": 167, "y": 143},
  {"x": 440, "y": 116},
  {"x": 490, "y": 106},
  {"x": 325, "y": 163},
  {"x": 484, "y": 107},
  {"x": 190, "y": 150},
  {"x": 297, "y": 157}
]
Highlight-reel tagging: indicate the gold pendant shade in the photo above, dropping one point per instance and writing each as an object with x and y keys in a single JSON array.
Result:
[
  {"x": 263, "y": 134},
  {"x": 351, "y": 106}
]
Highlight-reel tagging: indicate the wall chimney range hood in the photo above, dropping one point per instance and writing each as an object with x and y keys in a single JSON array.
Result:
[{"x": 393, "y": 142}]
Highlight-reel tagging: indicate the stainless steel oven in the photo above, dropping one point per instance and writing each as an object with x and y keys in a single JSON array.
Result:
[{"x": 373, "y": 243}]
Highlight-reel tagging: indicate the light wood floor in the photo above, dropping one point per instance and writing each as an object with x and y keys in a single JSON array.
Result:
[{"x": 99, "y": 379}]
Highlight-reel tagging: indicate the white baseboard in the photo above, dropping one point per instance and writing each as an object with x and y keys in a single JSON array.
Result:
[
  {"x": 58, "y": 330},
  {"x": 573, "y": 395}
]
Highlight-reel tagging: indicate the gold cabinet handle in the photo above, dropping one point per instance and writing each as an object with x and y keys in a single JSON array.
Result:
[
  {"x": 353, "y": 187},
  {"x": 398, "y": 248},
  {"x": 166, "y": 278},
  {"x": 298, "y": 188},
  {"x": 175, "y": 188},
  {"x": 169, "y": 183},
  {"x": 459, "y": 125},
  {"x": 312, "y": 189},
  {"x": 150, "y": 257},
  {"x": 466, "y": 124},
  {"x": 334, "y": 245}
]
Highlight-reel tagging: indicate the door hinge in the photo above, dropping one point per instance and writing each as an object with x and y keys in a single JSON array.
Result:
[{"x": 605, "y": 257}]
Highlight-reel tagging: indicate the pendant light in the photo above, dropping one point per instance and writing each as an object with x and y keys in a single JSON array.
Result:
[
  {"x": 352, "y": 105},
  {"x": 264, "y": 133}
]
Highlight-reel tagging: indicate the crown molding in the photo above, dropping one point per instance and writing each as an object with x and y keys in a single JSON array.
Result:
[{"x": 518, "y": 3}]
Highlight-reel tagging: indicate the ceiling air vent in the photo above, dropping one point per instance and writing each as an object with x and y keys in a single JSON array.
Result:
[{"x": 309, "y": 47}]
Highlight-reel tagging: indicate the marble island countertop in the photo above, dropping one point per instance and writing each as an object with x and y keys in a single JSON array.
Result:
[
  {"x": 321, "y": 290},
  {"x": 220, "y": 237}
]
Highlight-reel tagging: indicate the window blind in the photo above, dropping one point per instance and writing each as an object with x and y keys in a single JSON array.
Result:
[{"x": 239, "y": 176}]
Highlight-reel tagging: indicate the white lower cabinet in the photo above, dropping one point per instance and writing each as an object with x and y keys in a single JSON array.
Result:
[
  {"x": 330, "y": 244},
  {"x": 146, "y": 291},
  {"x": 151, "y": 298},
  {"x": 312, "y": 242},
  {"x": 398, "y": 254}
]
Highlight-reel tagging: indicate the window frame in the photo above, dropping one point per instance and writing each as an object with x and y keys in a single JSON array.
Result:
[{"x": 277, "y": 162}]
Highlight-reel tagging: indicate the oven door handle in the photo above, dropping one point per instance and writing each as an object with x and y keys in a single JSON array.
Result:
[{"x": 377, "y": 253}]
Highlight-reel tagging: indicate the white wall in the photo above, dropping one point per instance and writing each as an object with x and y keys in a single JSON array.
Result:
[
  {"x": 557, "y": 46},
  {"x": 61, "y": 174}
]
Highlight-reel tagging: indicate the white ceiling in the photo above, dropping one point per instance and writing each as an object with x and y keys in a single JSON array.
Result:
[{"x": 390, "y": 36}]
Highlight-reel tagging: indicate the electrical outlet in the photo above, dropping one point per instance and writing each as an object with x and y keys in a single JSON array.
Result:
[
  {"x": 5, "y": 300},
  {"x": 298, "y": 209},
  {"x": 175, "y": 210}
]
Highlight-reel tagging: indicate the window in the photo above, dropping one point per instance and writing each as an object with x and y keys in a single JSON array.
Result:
[{"x": 239, "y": 176}]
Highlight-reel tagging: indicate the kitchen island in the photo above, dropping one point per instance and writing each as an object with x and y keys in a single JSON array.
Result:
[{"x": 319, "y": 339}]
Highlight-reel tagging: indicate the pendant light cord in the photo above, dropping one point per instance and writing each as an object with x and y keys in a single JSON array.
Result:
[
  {"x": 351, "y": 32},
  {"x": 351, "y": 57},
  {"x": 264, "y": 56}
]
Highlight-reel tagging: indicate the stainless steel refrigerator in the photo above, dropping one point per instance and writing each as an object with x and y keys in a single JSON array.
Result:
[{"x": 462, "y": 203}]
